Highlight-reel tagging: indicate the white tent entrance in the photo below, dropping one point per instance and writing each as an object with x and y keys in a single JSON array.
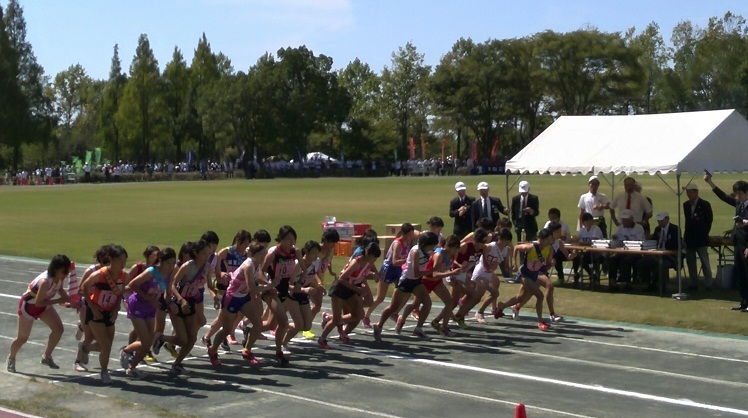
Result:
[{"x": 679, "y": 143}]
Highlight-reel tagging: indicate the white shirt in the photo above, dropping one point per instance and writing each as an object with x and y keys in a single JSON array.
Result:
[
  {"x": 630, "y": 234},
  {"x": 587, "y": 235},
  {"x": 485, "y": 203},
  {"x": 639, "y": 205},
  {"x": 588, "y": 200}
]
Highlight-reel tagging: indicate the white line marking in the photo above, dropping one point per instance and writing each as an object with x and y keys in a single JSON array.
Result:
[
  {"x": 17, "y": 413},
  {"x": 464, "y": 395}
]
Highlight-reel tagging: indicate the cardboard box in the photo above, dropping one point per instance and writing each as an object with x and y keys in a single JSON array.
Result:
[
  {"x": 393, "y": 229},
  {"x": 345, "y": 229},
  {"x": 344, "y": 248}
]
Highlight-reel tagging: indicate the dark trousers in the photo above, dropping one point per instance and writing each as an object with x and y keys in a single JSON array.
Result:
[
  {"x": 740, "y": 272},
  {"x": 621, "y": 267},
  {"x": 650, "y": 271},
  {"x": 590, "y": 263}
]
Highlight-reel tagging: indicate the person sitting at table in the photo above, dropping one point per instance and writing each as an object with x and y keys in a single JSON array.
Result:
[
  {"x": 667, "y": 236},
  {"x": 588, "y": 232},
  {"x": 554, "y": 217},
  {"x": 622, "y": 264}
]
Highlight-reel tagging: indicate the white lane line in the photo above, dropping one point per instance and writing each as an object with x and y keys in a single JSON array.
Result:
[
  {"x": 657, "y": 350},
  {"x": 17, "y": 413},
  {"x": 14, "y": 282},
  {"x": 310, "y": 400},
  {"x": 465, "y": 395}
]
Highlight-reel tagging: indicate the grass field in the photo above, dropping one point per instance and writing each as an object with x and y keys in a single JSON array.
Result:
[{"x": 74, "y": 219}]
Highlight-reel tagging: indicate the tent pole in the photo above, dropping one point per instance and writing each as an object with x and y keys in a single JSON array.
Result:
[
  {"x": 679, "y": 257},
  {"x": 612, "y": 196},
  {"x": 506, "y": 189}
]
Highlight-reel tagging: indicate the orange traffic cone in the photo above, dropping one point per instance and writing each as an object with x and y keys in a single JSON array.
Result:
[{"x": 519, "y": 412}]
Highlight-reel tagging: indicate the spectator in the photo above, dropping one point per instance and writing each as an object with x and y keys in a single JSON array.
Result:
[
  {"x": 525, "y": 208},
  {"x": 459, "y": 209},
  {"x": 621, "y": 265},
  {"x": 595, "y": 204},
  {"x": 487, "y": 207},
  {"x": 87, "y": 173},
  {"x": 698, "y": 216},
  {"x": 667, "y": 236},
  {"x": 633, "y": 201},
  {"x": 588, "y": 232}
]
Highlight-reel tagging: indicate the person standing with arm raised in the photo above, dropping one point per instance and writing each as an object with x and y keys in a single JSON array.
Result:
[
  {"x": 739, "y": 234},
  {"x": 459, "y": 209}
]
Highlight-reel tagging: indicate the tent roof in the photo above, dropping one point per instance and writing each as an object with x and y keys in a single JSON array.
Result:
[{"x": 687, "y": 142}]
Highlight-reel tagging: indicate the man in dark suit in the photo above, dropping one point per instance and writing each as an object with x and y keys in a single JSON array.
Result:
[
  {"x": 487, "y": 207},
  {"x": 459, "y": 208},
  {"x": 739, "y": 235},
  {"x": 699, "y": 216},
  {"x": 667, "y": 236},
  {"x": 525, "y": 208}
]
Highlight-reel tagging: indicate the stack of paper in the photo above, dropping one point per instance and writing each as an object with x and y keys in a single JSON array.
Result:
[
  {"x": 600, "y": 243},
  {"x": 640, "y": 245}
]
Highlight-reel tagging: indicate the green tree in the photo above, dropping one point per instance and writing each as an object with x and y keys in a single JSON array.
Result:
[
  {"x": 176, "y": 85},
  {"x": 404, "y": 94},
  {"x": 109, "y": 125},
  {"x": 141, "y": 108},
  {"x": 13, "y": 104},
  {"x": 653, "y": 58},
  {"x": 204, "y": 71}
]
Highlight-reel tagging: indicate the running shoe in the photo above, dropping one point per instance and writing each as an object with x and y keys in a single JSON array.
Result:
[
  {"x": 124, "y": 358},
  {"x": 447, "y": 332},
  {"x": 556, "y": 318},
  {"x": 326, "y": 317},
  {"x": 149, "y": 358},
  {"x": 213, "y": 357},
  {"x": 435, "y": 325},
  {"x": 309, "y": 334},
  {"x": 515, "y": 312},
  {"x": 105, "y": 378},
  {"x": 415, "y": 314},
  {"x": 272, "y": 332},
  {"x": 80, "y": 367},
  {"x": 498, "y": 313},
  {"x": 544, "y": 326},
  {"x": 11, "y": 365},
  {"x": 323, "y": 344},
  {"x": 240, "y": 325},
  {"x": 367, "y": 322},
  {"x": 377, "y": 333},
  {"x": 135, "y": 373},
  {"x": 281, "y": 359},
  {"x": 250, "y": 357},
  {"x": 225, "y": 345},
  {"x": 461, "y": 321},
  {"x": 178, "y": 369},
  {"x": 344, "y": 338},
  {"x": 84, "y": 352},
  {"x": 400, "y": 324},
  {"x": 48, "y": 361},
  {"x": 205, "y": 341},
  {"x": 232, "y": 340},
  {"x": 262, "y": 337},
  {"x": 285, "y": 350},
  {"x": 418, "y": 332},
  {"x": 480, "y": 318},
  {"x": 79, "y": 332},
  {"x": 170, "y": 348},
  {"x": 157, "y": 344}
]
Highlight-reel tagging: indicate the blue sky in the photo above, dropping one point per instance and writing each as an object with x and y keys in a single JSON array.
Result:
[{"x": 67, "y": 32}]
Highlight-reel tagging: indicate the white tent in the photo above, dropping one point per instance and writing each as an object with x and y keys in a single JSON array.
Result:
[{"x": 687, "y": 142}]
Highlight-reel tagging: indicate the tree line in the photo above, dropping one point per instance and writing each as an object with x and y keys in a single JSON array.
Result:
[{"x": 497, "y": 94}]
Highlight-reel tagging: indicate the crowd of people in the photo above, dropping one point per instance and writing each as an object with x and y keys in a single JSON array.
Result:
[{"x": 259, "y": 287}]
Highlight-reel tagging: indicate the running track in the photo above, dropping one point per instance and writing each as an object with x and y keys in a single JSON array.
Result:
[{"x": 578, "y": 369}]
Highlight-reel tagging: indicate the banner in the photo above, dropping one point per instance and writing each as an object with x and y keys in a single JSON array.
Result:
[
  {"x": 255, "y": 154},
  {"x": 190, "y": 157},
  {"x": 423, "y": 147},
  {"x": 412, "y": 146},
  {"x": 474, "y": 153},
  {"x": 88, "y": 157},
  {"x": 495, "y": 149},
  {"x": 97, "y": 155},
  {"x": 396, "y": 154},
  {"x": 444, "y": 148}
]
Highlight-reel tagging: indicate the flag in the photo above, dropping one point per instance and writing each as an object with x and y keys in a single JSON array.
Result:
[
  {"x": 495, "y": 148},
  {"x": 412, "y": 146},
  {"x": 474, "y": 149},
  {"x": 395, "y": 154},
  {"x": 88, "y": 157},
  {"x": 444, "y": 148},
  {"x": 97, "y": 155},
  {"x": 190, "y": 157},
  {"x": 423, "y": 147},
  {"x": 255, "y": 154}
]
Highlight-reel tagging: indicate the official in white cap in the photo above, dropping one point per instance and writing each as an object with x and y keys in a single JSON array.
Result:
[
  {"x": 698, "y": 219},
  {"x": 525, "y": 208},
  {"x": 486, "y": 206},
  {"x": 459, "y": 209},
  {"x": 622, "y": 265},
  {"x": 594, "y": 203},
  {"x": 667, "y": 236}
]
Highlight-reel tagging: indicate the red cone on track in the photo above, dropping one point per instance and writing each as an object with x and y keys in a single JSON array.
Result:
[{"x": 519, "y": 412}]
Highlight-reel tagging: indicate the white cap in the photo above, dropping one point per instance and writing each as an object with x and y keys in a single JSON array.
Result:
[
  {"x": 483, "y": 186},
  {"x": 593, "y": 178},
  {"x": 662, "y": 215},
  {"x": 460, "y": 186},
  {"x": 524, "y": 186},
  {"x": 627, "y": 213},
  {"x": 691, "y": 186}
]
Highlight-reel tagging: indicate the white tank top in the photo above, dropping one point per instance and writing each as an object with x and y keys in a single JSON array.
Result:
[
  {"x": 409, "y": 272},
  {"x": 33, "y": 289},
  {"x": 493, "y": 258}
]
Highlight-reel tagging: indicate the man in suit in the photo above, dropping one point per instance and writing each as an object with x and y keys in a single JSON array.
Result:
[
  {"x": 667, "y": 236},
  {"x": 699, "y": 216},
  {"x": 739, "y": 234},
  {"x": 459, "y": 208},
  {"x": 487, "y": 207},
  {"x": 525, "y": 208}
]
